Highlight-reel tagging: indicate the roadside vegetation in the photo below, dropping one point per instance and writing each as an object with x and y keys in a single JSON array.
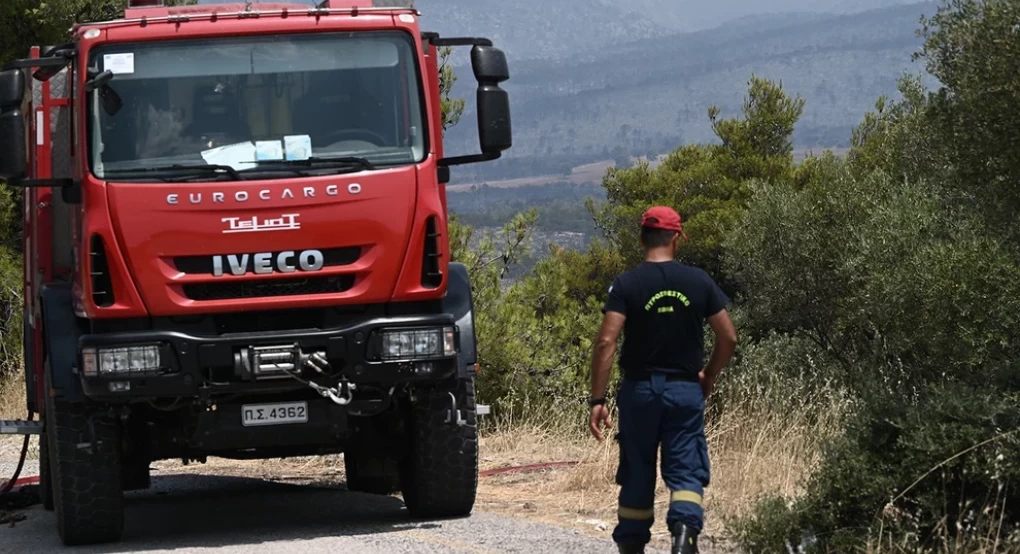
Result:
[{"x": 874, "y": 403}]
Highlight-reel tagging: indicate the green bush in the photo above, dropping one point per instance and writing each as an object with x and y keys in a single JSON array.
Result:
[
  {"x": 913, "y": 307},
  {"x": 11, "y": 305},
  {"x": 536, "y": 343},
  {"x": 878, "y": 274},
  {"x": 934, "y": 474},
  {"x": 773, "y": 527},
  {"x": 896, "y": 264}
]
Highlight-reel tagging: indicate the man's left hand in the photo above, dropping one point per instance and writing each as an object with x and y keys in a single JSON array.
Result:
[{"x": 599, "y": 418}]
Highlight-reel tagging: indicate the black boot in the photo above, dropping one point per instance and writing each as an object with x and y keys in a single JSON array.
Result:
[
  {"x": 631, "y": 548},
  {"x": 685, "y": 539}
]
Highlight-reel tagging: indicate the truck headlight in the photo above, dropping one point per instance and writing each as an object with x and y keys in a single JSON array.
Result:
[
  {"x": 119, "y": 362},
  {"x": 410, "y": 344}
]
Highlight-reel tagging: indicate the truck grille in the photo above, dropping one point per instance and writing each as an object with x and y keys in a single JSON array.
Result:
[
  {"x": 203, "y": 265},
  {"x": 269, "y": 288}
]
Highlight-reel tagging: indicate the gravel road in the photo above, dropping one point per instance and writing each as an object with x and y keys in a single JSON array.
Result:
[{"x": 189, "y": 513}]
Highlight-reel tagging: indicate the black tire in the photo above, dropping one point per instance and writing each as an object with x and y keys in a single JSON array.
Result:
[
  {"x": 440, "y": 475},
  {"x": 86, "y": 472},
  {"x": 355, "y": 468},
  {"x": 45, "y": 477}
]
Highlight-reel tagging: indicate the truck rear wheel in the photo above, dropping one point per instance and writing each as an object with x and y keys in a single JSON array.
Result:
[
  {"x": 85, "y": 472},
  {"x": 440, "y": 474}
]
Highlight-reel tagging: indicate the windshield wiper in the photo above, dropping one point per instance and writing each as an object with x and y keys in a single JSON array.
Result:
[
  {"x": 180, "y": 168},
  {"x": 356, "y": 161}
]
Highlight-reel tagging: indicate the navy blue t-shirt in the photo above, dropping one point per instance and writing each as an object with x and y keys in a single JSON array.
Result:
[{"x": 666, "y": 304}]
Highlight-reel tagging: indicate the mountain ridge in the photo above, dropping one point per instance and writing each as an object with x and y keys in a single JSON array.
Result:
[{"x": 647, "y": 97}]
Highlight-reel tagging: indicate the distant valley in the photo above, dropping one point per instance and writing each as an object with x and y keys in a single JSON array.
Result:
[{"x": 645, "y": 97}]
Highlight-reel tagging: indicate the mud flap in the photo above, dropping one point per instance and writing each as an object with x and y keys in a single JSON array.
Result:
[
  {"x": 60, "y": 333},
  {"x": 460, "y": 304}
]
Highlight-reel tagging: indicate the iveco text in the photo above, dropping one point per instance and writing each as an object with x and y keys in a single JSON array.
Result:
[
  {"x": 265, "y": 194},
  {"x": 309, "y": 260}
]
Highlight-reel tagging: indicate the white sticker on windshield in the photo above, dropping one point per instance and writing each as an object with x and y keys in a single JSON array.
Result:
[
  {"x": 238, "y": 156},
  {"x": 268, "y": 150},
  {"x": 298, "y": 147},
  {"x": 119, "y": 63}
]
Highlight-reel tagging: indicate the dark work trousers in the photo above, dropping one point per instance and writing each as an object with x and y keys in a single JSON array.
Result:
[{"x": 670, "y": 413}]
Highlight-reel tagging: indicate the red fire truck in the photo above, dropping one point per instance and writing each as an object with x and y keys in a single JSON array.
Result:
[{"x": 236, "y": 246}]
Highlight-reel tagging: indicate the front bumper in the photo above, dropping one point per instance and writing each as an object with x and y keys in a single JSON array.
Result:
[{"x": 206, "y": 366}]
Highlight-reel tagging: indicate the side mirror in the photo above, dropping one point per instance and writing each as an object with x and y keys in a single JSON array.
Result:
[
  {"x": 490, "y": 68},
  {"x": 13, "y": 147},
  {"x": 494, "y": 128}
]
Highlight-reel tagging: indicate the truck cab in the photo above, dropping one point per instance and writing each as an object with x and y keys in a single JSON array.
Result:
[{"x": 236, "y": 245}]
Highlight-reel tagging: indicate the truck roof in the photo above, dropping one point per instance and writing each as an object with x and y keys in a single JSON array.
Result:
[{"x": 245, "y": 9}]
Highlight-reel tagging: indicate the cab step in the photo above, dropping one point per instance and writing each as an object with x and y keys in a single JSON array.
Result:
[{"x": 20, "y": 427}]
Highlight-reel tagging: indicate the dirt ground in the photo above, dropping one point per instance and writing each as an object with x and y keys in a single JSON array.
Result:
[
  {"x": 753, "y": 452},
  {"x": 580, "y": 496}
]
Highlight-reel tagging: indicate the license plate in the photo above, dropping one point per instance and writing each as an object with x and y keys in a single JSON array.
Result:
[{"x": 274, "y": 414}]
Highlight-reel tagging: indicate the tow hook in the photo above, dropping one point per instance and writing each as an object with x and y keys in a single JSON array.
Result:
[
  {"x": 450, "y": 418},
  {"x": 342, "y": 395}
]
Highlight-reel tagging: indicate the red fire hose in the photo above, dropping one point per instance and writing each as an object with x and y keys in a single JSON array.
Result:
[
  {"x": 21, "y": 462},
  {"x": 487, "y": 473},
  {"x": 525, "y": 468}
]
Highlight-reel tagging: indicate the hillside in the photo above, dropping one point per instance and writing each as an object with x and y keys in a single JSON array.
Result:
[
  {"x": 536, "y": 29},
  {"x": 553, "y": 29},
  {"x": 694, "y": 15},
  {"x": 648, "y": 96}
]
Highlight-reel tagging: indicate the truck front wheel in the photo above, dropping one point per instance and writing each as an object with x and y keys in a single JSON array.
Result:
[
  {"x": 439, "y": 477},
  {"x": 85, "y": 471}
]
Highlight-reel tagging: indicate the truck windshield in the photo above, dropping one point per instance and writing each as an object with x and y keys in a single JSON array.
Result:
[{"x": 238, "y": 101}]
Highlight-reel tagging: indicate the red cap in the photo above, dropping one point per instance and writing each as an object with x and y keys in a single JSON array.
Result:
[{"x": 663, "y": 217}]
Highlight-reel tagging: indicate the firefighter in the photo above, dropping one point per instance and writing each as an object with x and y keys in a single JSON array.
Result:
[{"x": 661, "y": 307}]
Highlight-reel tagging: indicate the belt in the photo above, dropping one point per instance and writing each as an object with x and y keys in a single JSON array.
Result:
[{"x": 647, "y": 376}]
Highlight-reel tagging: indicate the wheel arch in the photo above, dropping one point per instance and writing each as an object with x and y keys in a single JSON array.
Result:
[{"x": 460, "y": 304}]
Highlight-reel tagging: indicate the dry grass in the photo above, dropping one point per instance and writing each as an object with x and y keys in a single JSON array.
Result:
[
  {"x": 12, "y": 406},
  {"x": 982, "y": 531},
  {"x": 754, "y": 451},
  {"x": 991, "y": 543},
  {"x": 983, "y": 546},
  {"x": 12, "y": 398}
]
